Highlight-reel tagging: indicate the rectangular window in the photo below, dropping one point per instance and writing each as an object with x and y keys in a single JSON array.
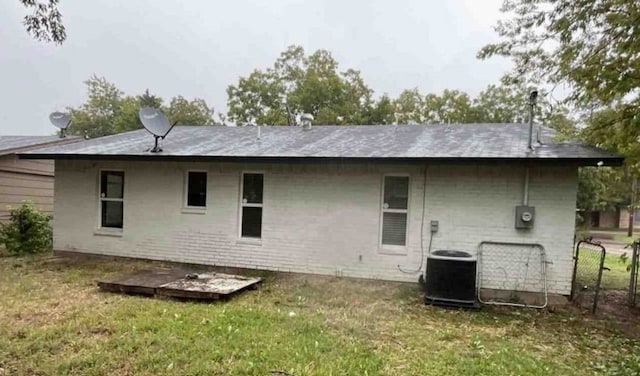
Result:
[
  {"x": 111, "y": 199},
  {"x": 196, "y": 189},
  {"x": 251, "y": 205},
  {"x": 394, "y": 210}
]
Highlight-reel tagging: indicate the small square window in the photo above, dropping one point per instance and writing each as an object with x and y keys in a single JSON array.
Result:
[{"x": 196, "y": 189}]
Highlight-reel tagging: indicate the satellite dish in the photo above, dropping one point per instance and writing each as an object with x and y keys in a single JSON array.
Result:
[
  {"x": 156, "y": 123},
  {"x": 60, "y": 120}
]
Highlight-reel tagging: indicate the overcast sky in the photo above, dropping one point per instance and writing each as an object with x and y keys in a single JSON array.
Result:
[{"x": 197, "y": 48}]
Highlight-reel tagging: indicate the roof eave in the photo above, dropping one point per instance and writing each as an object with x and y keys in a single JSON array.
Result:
[
  {"x": 580, "y": 161},
  {"x": 59, "y": 141}
]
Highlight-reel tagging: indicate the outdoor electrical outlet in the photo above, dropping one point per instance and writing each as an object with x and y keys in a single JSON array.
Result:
[{"x": 434, "y": 226}]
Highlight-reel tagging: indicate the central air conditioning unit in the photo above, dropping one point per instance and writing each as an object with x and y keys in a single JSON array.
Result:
[{"x": 451, "y": 279}]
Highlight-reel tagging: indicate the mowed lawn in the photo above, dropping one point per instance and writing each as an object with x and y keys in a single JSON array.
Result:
[{"x": 54, "y": 321}]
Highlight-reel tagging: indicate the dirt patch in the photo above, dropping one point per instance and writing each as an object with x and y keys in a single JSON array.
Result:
[
  {"x": 612, "y": 306},
  {"x": 101, "y": 333}
]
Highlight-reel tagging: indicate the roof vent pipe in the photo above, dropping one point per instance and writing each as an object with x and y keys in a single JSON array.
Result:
[
  {"x": 306, "y": 120},
  {"x": 532, "y": 104},
  {"x": 291, "y": 120}
]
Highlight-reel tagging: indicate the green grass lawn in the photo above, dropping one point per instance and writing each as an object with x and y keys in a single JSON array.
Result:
[
  {"x": 623, "y": 238},
  {"x": 54, "y": 321},
  {"x": 616, "y": 276}
]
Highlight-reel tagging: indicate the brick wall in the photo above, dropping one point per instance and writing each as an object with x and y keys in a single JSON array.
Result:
[{"x": 317, "y": 218}]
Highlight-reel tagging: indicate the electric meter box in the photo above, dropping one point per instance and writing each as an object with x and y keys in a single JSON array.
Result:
[{"x": 525, "y": 216}]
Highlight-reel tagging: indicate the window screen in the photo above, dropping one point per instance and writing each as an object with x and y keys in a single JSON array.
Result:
[
  {"x": 197, "y": 189},
  {"x": 394, "y": 210}
]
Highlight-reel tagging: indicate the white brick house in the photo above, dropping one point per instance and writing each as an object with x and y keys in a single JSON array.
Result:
[{"x": 348, "y": 201}]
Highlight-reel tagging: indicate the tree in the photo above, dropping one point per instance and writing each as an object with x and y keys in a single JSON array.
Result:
[
  {"x": 509, "y": 103},
  {"x": 194, "y": 112},
  {"x": 591, "y": 190},
  {"x": 616, "y": 130},
  {"x": 503, "y": 104},
  {"x": 149, "y": 100},
  {"x": 108, "y": 110},
  {"x": 308, "y": 84},
  {"x": 381, "y": 112},
  {"x": 592, "y": 46},
  {"x": 453, "y": 106},
  {"x": 98, "y": 115},
  {"x": 496, "y": 104},
  {"x": 302, "y": 83},
  {"x": 44, "y": 23},
  {"x": 409, "y": 107}
]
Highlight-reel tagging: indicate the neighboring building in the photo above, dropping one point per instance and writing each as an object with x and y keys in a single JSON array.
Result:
[
  {"x": 617, "y": 218},
  {"x": 26, "y": 180},
  {"x": 611, "y": 218},
  {"x": 339, "y": 200}
]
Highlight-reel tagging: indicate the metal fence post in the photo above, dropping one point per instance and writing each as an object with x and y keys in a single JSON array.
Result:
[
  {"x": 599, "y": 280},
  {"x": 633, "y": 278},
  {"x": 575, "y": 269}
]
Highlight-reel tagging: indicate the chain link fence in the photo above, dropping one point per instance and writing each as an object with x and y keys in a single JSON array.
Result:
[
  {"x": 512, "y": 274},
  {"x": 587, "y": 274}
]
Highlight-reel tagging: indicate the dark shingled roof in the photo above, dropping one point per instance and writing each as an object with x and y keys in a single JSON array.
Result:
[
  {"x": 379, "y": 142},
  {"x": 13, "y": 144}
]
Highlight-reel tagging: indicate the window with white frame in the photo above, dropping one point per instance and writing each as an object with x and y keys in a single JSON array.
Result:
[
  {"x": 395, "y": 201},
  {"x": 251, "y": 205},
  {"x": 111, "y": 199},
  {"x": 196, "y": 189}
]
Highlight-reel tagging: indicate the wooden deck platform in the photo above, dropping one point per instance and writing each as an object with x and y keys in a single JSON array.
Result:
[{"x": 175, "y": 284}]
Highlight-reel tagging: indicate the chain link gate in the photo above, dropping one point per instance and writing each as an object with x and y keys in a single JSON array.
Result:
[
  {"x": 587, "y": 274},
  {"x": 634, "y": 299},
  {"x": 513, "y": 274}
]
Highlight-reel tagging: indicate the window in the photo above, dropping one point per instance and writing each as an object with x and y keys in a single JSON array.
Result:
[
  {"x": 394, "y": 210},
  {"x": 251, "y": 205},
  {"x": 111, "y": 199},
  {"x": 196, "y": 189}
]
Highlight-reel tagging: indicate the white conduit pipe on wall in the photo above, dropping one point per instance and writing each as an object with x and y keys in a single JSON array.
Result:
[
  {"x": 424, "y": 209},
  {"x": 525, "y": 194}
]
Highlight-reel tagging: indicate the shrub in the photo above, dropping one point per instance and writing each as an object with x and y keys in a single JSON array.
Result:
[{"x": 27, "y": 232}]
